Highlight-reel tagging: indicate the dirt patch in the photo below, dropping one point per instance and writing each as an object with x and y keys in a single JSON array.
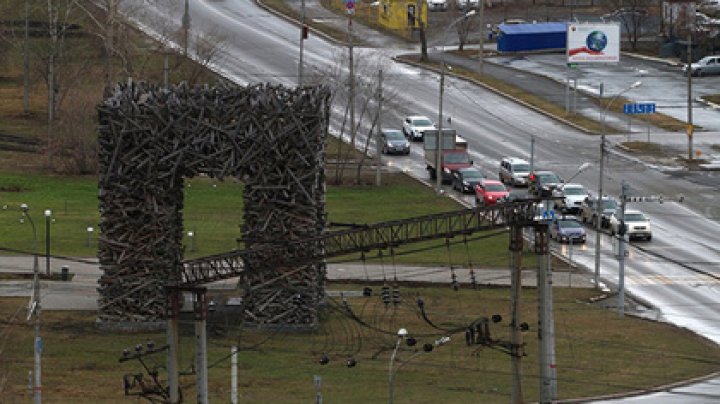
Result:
[{"x": 654, "y": 152}]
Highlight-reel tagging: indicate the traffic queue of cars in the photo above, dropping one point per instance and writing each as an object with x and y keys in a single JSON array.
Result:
[{"x": 575, "y": 203}]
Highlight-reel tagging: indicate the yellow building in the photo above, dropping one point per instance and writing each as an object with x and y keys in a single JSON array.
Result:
[
  {"x": 399, "y": 15},
  {"x": 395, "y": 15}
]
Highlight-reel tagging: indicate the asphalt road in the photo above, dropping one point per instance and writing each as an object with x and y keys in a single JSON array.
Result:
[{"x": 80, "y": 293}]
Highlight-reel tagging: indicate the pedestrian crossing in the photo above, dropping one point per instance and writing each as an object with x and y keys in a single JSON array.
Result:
[{"x": 688, "y": 280}]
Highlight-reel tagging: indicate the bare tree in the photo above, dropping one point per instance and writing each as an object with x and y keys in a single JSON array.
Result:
[
  {"x": 420, "y": 5},
  {"x": 633, "y": 16},
  {"x": 464, "y": 27}
]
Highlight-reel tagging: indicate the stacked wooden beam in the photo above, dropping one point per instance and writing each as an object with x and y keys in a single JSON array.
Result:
[{"x": 151, "y": 138}]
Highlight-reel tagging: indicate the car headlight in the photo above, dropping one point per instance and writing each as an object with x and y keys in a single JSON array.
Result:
[
  {"x": 446, "y": 170},
  {"x": 467, "y": 184}
]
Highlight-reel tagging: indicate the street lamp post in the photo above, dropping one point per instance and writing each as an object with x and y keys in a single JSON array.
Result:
[
  {"x": 48, "y": 217},
  {"x": 191, "y": 240},
  {"x": 438, "y": 161},
  {"x": 34, "y": 310},
  {"x": 598, "y": 210},
  {"x": 90, "y": 230},
  {"x": 401, "y": 334}
]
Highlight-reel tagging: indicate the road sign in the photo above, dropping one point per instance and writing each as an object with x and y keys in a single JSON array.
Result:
[
  {"x": 350, "y": 6},
  {"x": 646, "y": 108}
]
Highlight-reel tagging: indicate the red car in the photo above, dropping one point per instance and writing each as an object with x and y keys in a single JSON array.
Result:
[{"x": 489, "y": 192}]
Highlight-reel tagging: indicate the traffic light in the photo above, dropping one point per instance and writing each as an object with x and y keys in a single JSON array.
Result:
[
  {"x": 305, "y": 32},
  {"x": 622, "y": 229}
]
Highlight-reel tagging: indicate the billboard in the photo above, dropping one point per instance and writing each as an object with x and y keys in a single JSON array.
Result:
[{"x": 593, "y": 43}]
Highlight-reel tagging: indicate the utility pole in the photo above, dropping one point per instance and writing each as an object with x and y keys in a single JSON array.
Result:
[
  {"x": 689, "y": 95},
  {"x": 26, "y": 60},
  {"x": 173, "y": 329},
  {"x": 598, "y": 210},
  {"x": 201, "y": 369},
  {"x": 233, "y": 375},
  {"x": 34, "y": 310},
  {"x": 378, "y": 145},
  {"x": 482, "y": 36},
  {"x": 532, "y": 152},
  {"x": 621, "y": 250},
  {"x": 516, "y": 341},
  {"x": 351, "y": 76},
  {"x": 546, "y": 326},
  {"x": 303, "y": 34},
  {"x": 186, "y": 27}
]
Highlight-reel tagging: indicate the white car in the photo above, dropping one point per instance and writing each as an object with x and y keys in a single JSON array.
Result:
[
  {"x": 414, "y": 126},
  {"x": 572, "y": 196},
  {"x": 437, "y": 5},
  {"x": 636, "y": 224},
  {"x": 469, "y": 4}
]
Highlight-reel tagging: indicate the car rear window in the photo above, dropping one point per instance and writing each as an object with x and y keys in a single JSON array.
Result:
[
  {"x": 634, "y": 217},
  {"x": 457, "y": 158},
  {"x": 521, "y": 168},
  {"x": 394, "y": 135},
  {"x": 574, "y": 191},
  {"x": 472, "y": 174},
  {"x": 495, "y": 187},
  {"x": 422, "y": 122},
  {"x": 551, "y": 178},
  {"x": 569, "y": 224}
]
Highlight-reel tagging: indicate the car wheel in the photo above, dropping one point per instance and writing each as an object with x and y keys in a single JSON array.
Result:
[
  {"x": 407, "y": 152},
  {"x": 648, "y": 238},
  {"x": 699, "y": 73},
  {"x": 432, "y": 173},
  {"x": 479, "y": 202}
]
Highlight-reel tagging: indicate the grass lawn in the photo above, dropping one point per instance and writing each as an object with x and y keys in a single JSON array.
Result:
[
  {"x": 81, "y": 362},
  {"x": 214, "y": 209}
]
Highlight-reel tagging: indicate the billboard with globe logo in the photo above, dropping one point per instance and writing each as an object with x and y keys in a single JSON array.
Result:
[{"x": 593, "y": 43}]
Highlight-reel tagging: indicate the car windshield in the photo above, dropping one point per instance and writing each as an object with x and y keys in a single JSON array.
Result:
[
  {"x": 575, "y": 191},
  {"x": 422, "y": 122},
  {"x": 609, "y": 204},
  {"x": 457, "y": 158},
  {"x": 634, "y": 217},
  {"x": 472, "y": 174},
  {"x": 568, "y": 224},
  {"x": 495, "y": 188},
  {"x": 394, "y": 135},
  {"x": 548, "y": 178},
  {"x": 521, "y": 168}
]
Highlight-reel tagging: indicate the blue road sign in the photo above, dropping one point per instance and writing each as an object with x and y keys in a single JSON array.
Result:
[{"x": 645, "y": 108}]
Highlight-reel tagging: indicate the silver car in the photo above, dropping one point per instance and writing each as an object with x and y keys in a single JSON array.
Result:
[{"x": 705, "y": 66}]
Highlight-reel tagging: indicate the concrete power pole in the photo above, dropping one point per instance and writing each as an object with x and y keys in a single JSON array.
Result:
[
  {"x": 351, "y": 77},
  {"x": 621, "y": 250},
  {"x": 546, "y": 324},
  {"x": 482, "y": 36},
  {"x": 172, "y": 333},
  {"x": 201, "y": 366},
  {"x": 689, "y": 96},
  {"x": 303, "y": 31},
  {"x": 516, "y": 343},
  {"x": 378, "y": 142}
]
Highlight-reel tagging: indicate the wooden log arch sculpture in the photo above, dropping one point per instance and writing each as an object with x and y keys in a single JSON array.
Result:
[{"x": 151, "y": 138}]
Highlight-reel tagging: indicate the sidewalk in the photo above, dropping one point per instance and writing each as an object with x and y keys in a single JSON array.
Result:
[{"x": 81, "y": 292}]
